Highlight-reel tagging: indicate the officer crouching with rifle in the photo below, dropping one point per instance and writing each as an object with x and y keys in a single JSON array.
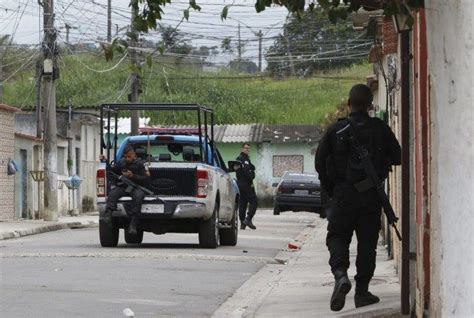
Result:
[
  {"x": 353, "y": 159},
  {"x": 130, "y": 177}
]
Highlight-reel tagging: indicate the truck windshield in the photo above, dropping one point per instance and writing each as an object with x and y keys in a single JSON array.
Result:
[{"x": 167, "y": 151}]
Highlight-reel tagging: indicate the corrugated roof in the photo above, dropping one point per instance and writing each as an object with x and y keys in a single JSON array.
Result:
[
  {"x": 240, "y": 133},
  {"x": 291, "y": 133}
]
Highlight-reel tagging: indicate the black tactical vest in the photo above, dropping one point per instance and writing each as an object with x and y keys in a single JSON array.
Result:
[{"x": 347, "y": 164}]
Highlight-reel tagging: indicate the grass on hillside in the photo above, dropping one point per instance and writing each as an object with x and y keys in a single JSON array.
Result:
[{"x": 235, "y": 100}]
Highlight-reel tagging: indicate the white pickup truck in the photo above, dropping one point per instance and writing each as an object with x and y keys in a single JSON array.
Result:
[{"x": 193, "y": 191}]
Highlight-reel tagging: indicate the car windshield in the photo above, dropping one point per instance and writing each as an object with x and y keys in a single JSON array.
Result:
[{"x": 300, "y": 177}]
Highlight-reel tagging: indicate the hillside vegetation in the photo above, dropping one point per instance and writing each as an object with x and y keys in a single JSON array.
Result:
[{"x": 88, "y": 80}]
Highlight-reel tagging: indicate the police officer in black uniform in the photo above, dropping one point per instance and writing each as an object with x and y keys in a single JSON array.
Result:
[
  {"x": 133, "y": 169},
  {"x": 339, "y": 170},
  {"x": 248, "y": 197}
]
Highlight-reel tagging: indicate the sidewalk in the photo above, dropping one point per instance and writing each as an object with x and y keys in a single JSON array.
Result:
[
  {"x": 303, "y": 285},
  {"x": 19, "y": 228}
]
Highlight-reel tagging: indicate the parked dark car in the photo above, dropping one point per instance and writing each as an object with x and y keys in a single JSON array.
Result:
[{"x": 298, "y": 192}]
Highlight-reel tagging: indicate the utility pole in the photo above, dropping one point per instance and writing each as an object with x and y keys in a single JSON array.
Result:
[
  {"x": 288, "y": 52},
  {"x": 48, "y": 101},
  {"x": 109, "y": 21},
  {"x": 134, "y": 122},
  {"x": 1, "y": 73},
  {"x": 260, "y": 35},
  {"x": 68, "y": 27},
  {"x": 239, "y": 49},
  {"x": 39, "y": 115}
]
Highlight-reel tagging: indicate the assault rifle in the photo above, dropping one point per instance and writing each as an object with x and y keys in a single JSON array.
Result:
[
  {"x": 372, "y": 179},
  {"x": 129, "y": 183}
]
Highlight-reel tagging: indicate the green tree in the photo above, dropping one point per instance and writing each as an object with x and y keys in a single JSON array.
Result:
[
  {"x": 310, "y": 42},
  {"x": 227, "y": 47},
  {"x": 173, "y": 41},
  {"x": 151, "y": 10}
]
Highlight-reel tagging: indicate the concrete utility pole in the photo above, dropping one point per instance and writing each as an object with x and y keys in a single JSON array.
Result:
[
  {"x": 39, "y": 113},
  {"x": 67, "y": 27},
  {"x": 109, "y": 21},
  {"x": 260, "y": 35},
  {"x": 288, "y": 52},
  {"x": 1, "y": 74},
  {"x": 48, "y": 101},
  {"x": 239, "y": 49},
  {"x": 134, "y": 122}
]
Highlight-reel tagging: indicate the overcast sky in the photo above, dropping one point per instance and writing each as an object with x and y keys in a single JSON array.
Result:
[{"x": 23, "y": 19}]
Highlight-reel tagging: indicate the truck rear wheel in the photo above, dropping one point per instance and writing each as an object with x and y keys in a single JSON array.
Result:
[
  {"x": 228, "y": 236},
  {"x": 133, "y": 238},
  {"x": 108, "y": 233},
  {"x": 209, "y": 230}
]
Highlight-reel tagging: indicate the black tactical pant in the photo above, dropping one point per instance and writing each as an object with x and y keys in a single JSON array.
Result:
[
  {"x": 248, "y": 197},
  {"x": 352, "y": 211},
  {"x": 133, "y": 209}
]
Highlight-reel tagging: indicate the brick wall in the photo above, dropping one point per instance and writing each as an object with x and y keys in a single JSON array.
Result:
[
  {"x": 390, "y": 37},
  {"x": 7, "y": 151}
]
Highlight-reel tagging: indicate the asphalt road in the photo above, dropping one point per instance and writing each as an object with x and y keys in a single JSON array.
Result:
[{"x": 67, "y": 274}]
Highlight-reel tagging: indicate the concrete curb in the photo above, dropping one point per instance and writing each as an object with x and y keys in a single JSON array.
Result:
[{"x": 43, "y": 228}]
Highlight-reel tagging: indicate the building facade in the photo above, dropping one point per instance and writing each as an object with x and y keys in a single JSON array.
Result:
[
  {"x": 78, "y": 151},
  {"x": 441, "y": 154},
  {"x": 7, "y": 154}
]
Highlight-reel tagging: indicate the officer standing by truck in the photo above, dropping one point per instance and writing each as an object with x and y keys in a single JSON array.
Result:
[
  {"x": 355, "y": 202},
  {"x": 134, "y": 170},
  {"x": 248, "y": 197}
]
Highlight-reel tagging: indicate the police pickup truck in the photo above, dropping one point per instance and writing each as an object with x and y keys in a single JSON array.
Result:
[{"x": 191, "y": 189}]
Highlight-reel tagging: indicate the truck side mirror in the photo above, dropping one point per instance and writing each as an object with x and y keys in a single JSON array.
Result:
[{"x": 234, "y": 165}]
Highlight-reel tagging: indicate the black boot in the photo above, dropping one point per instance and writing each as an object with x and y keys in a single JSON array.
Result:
[
  {"x": 132, "y": 228},
  {"x": 242, "y": 225},
  {"x": 342, "y": 286},
  {"x": 248, "y": 222},
  {"x": 365, "y": 299}
]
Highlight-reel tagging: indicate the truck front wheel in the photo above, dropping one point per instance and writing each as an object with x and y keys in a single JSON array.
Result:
[
  {"x": 209, "y": 230},
  {"x": 228, "y": 236}
]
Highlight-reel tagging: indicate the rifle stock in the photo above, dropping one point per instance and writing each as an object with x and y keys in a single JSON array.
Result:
[{"x": 129, "y": 182}]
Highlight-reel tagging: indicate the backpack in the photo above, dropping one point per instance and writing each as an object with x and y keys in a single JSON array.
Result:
[{"x": 347, "y": 162}]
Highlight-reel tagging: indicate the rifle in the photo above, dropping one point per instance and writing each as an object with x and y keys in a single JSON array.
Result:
[
  {"x": 372, "y": 179},
  {"x": 129, "y": 183}
]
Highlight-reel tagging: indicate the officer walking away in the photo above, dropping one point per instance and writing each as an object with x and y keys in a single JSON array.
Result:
[
  {"x": 133, "y": 169},
  {"x": 248, "y": 197},
  {"x": 341, "y": 173}
]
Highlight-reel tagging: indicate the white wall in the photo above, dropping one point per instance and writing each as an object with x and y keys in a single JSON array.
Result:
[
  {"x": 265, "y": 153},
  {"x": 451, "y": 65},
  {"x": 90, "y": 149}
]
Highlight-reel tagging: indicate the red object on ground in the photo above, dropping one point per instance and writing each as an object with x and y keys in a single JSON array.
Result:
[{"x": 293, "y": 246}]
